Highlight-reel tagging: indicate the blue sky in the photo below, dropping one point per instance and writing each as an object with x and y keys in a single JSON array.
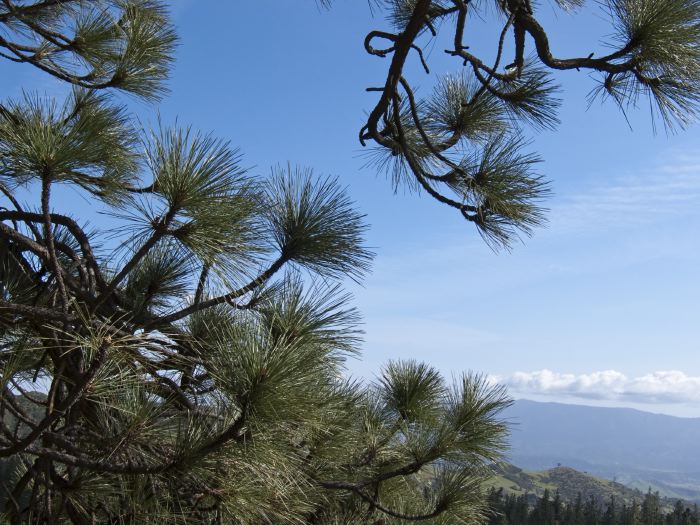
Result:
[{"x": 597, "y": 308}]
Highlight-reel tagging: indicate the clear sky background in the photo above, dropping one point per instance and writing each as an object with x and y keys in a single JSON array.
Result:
[{"x": 601, "y": 307}]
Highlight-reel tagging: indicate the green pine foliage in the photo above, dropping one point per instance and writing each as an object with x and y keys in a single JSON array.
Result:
[
  {"x": 434, "y": 144},
  {"x": 188, "y": 366}
]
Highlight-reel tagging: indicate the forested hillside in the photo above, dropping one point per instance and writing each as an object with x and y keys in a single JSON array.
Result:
[{"x": 567, "y": 482}]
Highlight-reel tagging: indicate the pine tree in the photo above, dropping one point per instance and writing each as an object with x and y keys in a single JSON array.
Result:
[
  {"x": 610, "y": 517},
  {"x": 519, "y": 511},
  {"x": 577, "y": 511},
  {"x": 187, "y": 367},
  {"x": 557, "y": 507},
  {"x": 465, "y": 145},
  {"x": 678, "y": 515},
  {"x": 591, "y": 511},
  {"x": 651, "y": 509},
  {"x": 543, "y": 512},
  {"x": 497, "y": 507},
  {"x": 630, "y": 514}
]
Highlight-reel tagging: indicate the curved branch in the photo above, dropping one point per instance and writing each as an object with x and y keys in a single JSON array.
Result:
[
  {"x": 73, "y": 397},
  {"x": 30, "y": 9},
  {"x": 542, "y": 46},
  {"x": 418, "y": 171},
  {"x": 226, "y": 298},
  {"x": 401, "y": 49},
  {"x": 48, "y": 237},
  {"x": 75, "y": 230}
]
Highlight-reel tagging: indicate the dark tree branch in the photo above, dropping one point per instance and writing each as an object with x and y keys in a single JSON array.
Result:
[
  {"x": 226, "y": 298},
  {"x": 75, "y": 394},
  {"x": 48, "y": 236}
]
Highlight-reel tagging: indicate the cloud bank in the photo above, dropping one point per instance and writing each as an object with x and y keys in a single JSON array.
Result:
[{"x": 657, "y": 387}]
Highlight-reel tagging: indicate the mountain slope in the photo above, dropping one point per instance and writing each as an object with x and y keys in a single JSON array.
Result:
[
  {"x": 636, "y": 448},
  {"x": 567, "y": 481}
]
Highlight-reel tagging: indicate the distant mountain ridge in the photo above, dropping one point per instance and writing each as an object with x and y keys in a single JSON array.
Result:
[{"x": 636, "y": 448}]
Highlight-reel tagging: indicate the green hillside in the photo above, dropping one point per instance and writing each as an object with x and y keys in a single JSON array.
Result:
[{"x": 567, "y": 481}]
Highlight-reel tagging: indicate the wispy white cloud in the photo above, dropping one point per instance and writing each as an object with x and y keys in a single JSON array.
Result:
[
  {"x": 668, "y": 190},
  {"x": 610, "y": 385}
]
